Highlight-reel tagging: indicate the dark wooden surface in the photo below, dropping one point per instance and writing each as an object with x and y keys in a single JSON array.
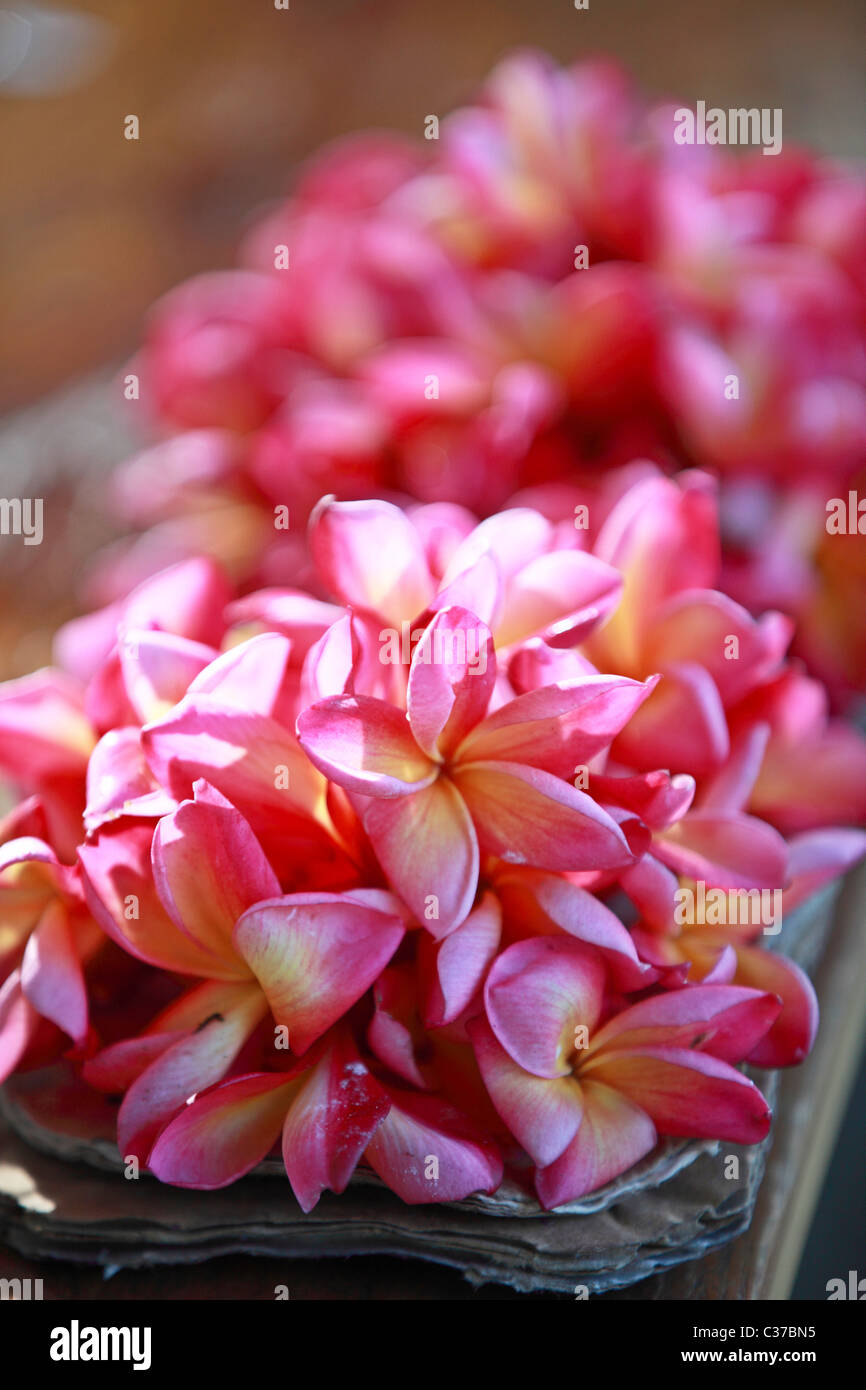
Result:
[{"x": 233, "y": 95}]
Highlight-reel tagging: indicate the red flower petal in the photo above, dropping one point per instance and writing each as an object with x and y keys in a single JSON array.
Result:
[
  {"x": 427, "y": 1152},
  {"x": 331, "y": 1121}
]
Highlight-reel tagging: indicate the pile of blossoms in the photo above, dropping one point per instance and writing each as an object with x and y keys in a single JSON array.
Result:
[
  {"x": 509, "y": 312},
  {"x": 388, "y": 868}
]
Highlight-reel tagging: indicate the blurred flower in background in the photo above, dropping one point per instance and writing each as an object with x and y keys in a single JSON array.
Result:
[{"x": 549, "y": 291}]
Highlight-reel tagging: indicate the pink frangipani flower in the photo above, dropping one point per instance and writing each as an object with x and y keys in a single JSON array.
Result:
[
  {"x": 587, "y": 1097},
  {"x": 443, "y": 783}
]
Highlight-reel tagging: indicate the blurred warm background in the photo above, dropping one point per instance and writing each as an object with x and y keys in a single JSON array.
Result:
[{"x": 232, "y": 95}]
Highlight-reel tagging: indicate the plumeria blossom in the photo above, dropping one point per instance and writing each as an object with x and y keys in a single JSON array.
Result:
[
  {"x": 442, "y": 783},
  {"x": 587, "y": 1097},
  {"x": 517, "y": 572},
  {"x": 223, "y": 918},
  {"x": 273, "y": 962},
  {"x": 663, "y": 536}
]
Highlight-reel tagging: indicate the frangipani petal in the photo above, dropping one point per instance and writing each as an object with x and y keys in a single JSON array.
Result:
[
  {"x": 723, "y": 970},
  {"x": 18, "y": 1024},
  {"x": 729, "y": 789},
  {"x": 114, "y": 1069},
  {"x": 791, "y": 1037},
  {"x": 652, "y": 888},
  {"x": 365, "y": 745},
  {"x": 558, "y": 727},
  {"x": 418, "y": 1127},
  {"x": 513, "y": 537},
  {"x": 118, "y": 778},
  {"x": 427, "y": 846},
  {"x": 560, "y": 596},
  {"x": 711, "y": 629},
  {"x": 725, "y": 1020},
  {"x": 120, "y": 892},
  {"x": 221, "y": 1135},
  {"x": 370, "y": 556},
  {"x": 663, "y": 536},
  {"x": 682, "y": 726},
  {"x": 686, "y": 1092},
  {"x": 543, "y": 998},
  {"x": 478, "y": 588},
  {"x": 288, "y": 611},
  {"x": 314, "y": 956},
  {"x": 208, "y": 868},
  {"x": 543, "y": 1115},
  {"x": 535, "y": 664},
  {"x": 344, "y": 661},
  {"x": 43, "y": 729},
  {"x": 395, "y": 1027},
  {"x": 725, "y": 851},
  {"x": 614, "y": 1134},
  {"x": 51, "y": 975},
  {"x": 450, "y": 681},
  {"x": 526, "y": 816},
  {"x": 332, "y": 1119},
  {"x": 157, "y": 669},
  {"x": 249, "y": 676},
  {"x": 656, "y": 797},
  {"x": 818, "y": 856},
  {"x": 187, "y": 598},
  {"x": 239, "y": 753},
  {"x": 460, "y": 963},
  {"x": 536, "y": 901},
  {"x": 196, "y": 1062},
  {"x": 833, "y": 792},
  {"x": 32, "y": 889}
]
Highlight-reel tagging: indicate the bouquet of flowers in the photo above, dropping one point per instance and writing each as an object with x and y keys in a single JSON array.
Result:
[{"x": 423, "y": 790}]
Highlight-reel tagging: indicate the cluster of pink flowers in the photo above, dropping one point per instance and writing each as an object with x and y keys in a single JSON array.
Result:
[
  {"x": 423, "y": 789},
  {"x": 546, "y": 292},
  {"x": 387, "y": 867}
]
